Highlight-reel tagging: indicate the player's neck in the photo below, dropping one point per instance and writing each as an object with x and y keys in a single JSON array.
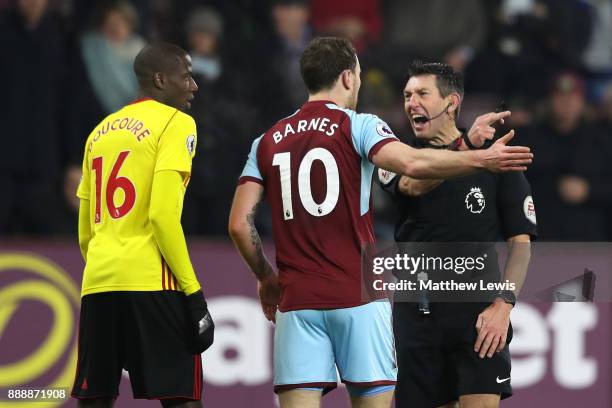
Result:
[
  {"x": 446, "y": 134},
  {"x": 328, "y": 96},
  {"x": 146, "y": 94}
]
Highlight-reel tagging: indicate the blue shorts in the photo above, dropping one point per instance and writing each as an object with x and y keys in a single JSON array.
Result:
[{"x": 311, "y": 347}]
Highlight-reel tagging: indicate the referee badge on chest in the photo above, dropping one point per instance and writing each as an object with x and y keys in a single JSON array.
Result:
[{"x": 475, "y": 200}]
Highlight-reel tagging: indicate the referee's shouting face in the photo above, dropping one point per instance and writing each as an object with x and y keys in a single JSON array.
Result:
[{"x": 432, "y": 96}]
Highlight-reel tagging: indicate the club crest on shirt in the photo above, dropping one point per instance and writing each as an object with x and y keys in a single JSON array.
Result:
[
  {"x": 529, "y": 210},
  {"x": 384, "y": 130},
  {"x": 475, "y": 200},
  {"x": 385, "y": 176},
  {"x": 191, "y": 144}
]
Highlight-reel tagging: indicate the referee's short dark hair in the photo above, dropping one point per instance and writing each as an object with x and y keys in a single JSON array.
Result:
[
  {"x": 323, "y": 61},
  {"x": 448, "y": 79}
]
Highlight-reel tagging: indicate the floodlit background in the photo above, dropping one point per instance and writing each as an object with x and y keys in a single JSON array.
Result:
[{"x": 65, "y": 64}]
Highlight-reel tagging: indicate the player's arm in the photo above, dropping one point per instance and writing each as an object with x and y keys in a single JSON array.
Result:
[
  {"x": 83, "y": 193},
  {"x": 493, "y": 323},
  {"x": 165, "y": 218},
  {"x": 243, "y": 232},
  {"x": 519, "y": 255},
  {"x": 84, "y": 227},
  {"x": 481, "y": 131},
  {"x": 436, "y": 164}
]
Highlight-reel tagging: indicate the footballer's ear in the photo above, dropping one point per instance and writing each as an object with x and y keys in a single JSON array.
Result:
[
  {"x": 159, "y": 80},
  {"x": 346, "y": 79}
]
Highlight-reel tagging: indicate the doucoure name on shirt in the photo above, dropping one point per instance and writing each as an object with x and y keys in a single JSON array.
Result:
[
  {"x": 135, "y": 126},
  {"x": 317, "y": 124}
]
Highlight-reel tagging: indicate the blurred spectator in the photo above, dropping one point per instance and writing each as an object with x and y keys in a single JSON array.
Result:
[
  {"x": 104, "y": 79},
  {"x": 278, "y": 68},
  {"x": 224, "y": 125},
  {"x": 357, "y": 20},
  {"x": 436, "y": 30},
  {"x": 108, "y": 53},
  {"x": 34, "y": 71},
  {"x": 529, "y": 41},
  {"x": 570, "y": 173},
  {"x": 606, "y": 130},
  {"x": 598, "y": 54},
  {"x": 85, "y": 13}
]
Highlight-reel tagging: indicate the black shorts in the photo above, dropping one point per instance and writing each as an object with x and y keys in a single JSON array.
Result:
[
  {"x": 436, "y": 358},
  {"x": 143, "y": 332}
]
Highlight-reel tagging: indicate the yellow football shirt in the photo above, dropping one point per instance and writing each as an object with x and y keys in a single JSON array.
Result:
[{"x": 121, "y": 156}]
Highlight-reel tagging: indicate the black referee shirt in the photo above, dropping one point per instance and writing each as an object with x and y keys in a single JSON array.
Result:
[{"x": 482, "y": 207}]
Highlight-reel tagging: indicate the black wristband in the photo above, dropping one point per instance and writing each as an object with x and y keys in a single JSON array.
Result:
[{"x": 467, "y": 141}]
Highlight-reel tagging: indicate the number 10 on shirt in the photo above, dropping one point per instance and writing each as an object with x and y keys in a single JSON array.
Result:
[
  {"x": 113, "y": 184},
  {"x": 283, "y": 161}
]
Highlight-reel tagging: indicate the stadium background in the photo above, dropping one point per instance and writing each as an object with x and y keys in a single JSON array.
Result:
[{"x": 67, "y": 63}]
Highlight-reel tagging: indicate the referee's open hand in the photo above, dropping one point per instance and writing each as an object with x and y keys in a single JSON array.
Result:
[
  {"x": 500, "y": 157},
  {"x": 492, "y": 327}
]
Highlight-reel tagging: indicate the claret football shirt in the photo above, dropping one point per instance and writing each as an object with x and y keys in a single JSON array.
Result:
[{"x": 316, "y": 168}]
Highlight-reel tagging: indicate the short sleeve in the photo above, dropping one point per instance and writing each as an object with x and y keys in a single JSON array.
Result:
[
  {"x": 177, "y": 144},
  {"x": 369, "y": 134},
  {"x": 83, "y": 191},
  {"x": 251, "y": 168},
  {"x": 515, "y": 205},
  {"x": 388, "y": 181}
]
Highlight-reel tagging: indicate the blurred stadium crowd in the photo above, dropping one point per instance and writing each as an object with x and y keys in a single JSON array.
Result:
[{"x": 68, "y": 63}]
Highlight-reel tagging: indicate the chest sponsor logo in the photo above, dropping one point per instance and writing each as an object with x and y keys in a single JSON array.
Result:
[
  {"x": 529, "y": 210},
  {"x": 475, "y": 200},
  {"x": 385, "y": 176}
]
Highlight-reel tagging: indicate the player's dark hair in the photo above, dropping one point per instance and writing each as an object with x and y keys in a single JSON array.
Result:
[
  {"x": 447, "y": 79},
  {"x": 323, "y": 61},
  {"x": 157, "y": 57}
]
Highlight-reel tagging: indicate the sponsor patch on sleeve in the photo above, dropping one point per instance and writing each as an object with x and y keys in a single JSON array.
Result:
[
  {"x": 529, "y": 210},
  {"x": 385, "y": 176},
  {"x": 384, "y": 130},
  {"x": 191, "y": 144}
]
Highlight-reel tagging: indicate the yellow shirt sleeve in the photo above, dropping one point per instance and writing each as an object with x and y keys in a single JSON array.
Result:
[
  {"x": 177, "y": 144},
  {"x": 165, "y": 216},
  {"x": 83, "y": 191}
]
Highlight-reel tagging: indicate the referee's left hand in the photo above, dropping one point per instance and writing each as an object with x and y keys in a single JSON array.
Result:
[
  {"x": 483, "y": 130},
  {"x": 492, "y": 327}
]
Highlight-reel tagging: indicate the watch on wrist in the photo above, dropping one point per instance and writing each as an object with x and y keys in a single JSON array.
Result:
[{"x": 507, "y": 296}]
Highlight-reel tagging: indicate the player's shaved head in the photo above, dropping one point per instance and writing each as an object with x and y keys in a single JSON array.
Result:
[
  {"x": 157, "y": 57},
  {"x": 164, "y": 74}
]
